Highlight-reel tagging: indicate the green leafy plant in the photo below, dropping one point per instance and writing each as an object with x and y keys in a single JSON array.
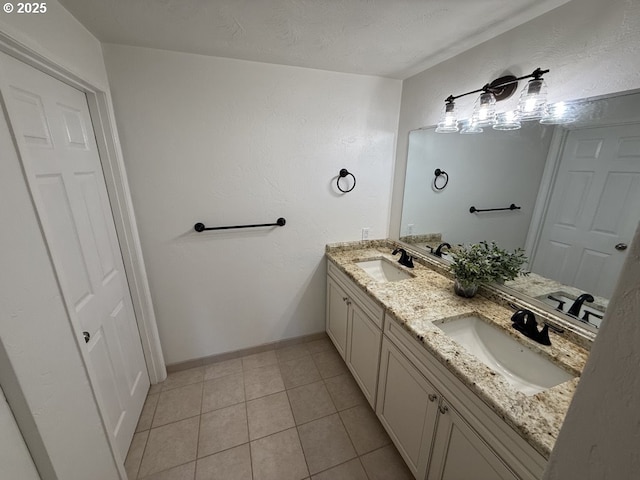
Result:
[{"x": 486, "y": 262}]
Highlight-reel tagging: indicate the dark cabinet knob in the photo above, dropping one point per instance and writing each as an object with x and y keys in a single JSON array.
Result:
[{"x": 87, "y": 336}]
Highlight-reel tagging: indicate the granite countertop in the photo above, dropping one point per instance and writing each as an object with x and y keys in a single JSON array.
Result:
[{"x": 417, "y": 302}]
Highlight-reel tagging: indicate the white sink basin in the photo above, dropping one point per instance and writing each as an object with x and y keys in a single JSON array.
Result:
[
  {"x": 526, "y": 370},
  {"x": 382, "y": 270}
]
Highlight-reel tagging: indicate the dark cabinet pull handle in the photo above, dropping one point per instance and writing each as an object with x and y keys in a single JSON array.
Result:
[
  {"x": 432, "y": 397},
  {"x": 621, "y": 246},
  {"x": 87, "y": 336},
  {"x": 444, "y": 409}
]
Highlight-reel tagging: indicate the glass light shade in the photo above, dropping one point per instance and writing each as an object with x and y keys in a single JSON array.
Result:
[
  {"x": 484, "y": 110},
  {"x": 533, "y": 100},
  {"x": 470, "y": 127},
  {"x": 558, "y": 113},
  {"x": 448, "y": 121},
  {"x": 507, "y": 121}
]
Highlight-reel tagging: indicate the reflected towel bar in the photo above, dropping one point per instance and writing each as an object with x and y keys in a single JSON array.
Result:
[
  {"x": 510, "y": 207},
  {"x": 199, "y": 227}
]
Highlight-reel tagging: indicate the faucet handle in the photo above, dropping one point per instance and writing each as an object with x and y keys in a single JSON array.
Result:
[{"x": 543, "y": 336}]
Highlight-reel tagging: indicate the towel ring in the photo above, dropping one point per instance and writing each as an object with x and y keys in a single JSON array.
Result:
[
  {"x": 345, "y": 173},
  {"x": 438, "y": 173}
]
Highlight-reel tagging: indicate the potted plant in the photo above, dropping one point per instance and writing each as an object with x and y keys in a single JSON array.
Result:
[
  {"x": 506, "y": 265},
  {"x": 484, "y": 262}
]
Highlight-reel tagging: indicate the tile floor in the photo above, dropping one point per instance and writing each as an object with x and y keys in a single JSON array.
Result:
[{"x": 289, "y": 414}]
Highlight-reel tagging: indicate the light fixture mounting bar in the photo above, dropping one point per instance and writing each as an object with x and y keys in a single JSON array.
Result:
[{"x": 489, "y": 87}]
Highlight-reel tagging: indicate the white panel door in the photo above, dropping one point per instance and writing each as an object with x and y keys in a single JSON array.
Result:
[
  {"x": 53, "y": 130},
  {"x": 594, "y": 206}
]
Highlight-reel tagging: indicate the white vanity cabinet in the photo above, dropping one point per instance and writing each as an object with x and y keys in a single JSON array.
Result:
[
  {"x": 407, "y": 408},
  {"x": 432, "y": 437},
  {"x": 459, "y": 453},
  {"x": 442, "y": 429},
  {"x": 354, "y": 324}
]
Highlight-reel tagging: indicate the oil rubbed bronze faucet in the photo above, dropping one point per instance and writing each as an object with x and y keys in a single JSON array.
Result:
[
  {"x": 405, "y": 258},
  {"x": 525, "y": 322},
  {"x": 438, "y": 251}
]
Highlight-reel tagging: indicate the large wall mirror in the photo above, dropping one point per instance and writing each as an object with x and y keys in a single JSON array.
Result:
[{"x": 577, "y": 186}]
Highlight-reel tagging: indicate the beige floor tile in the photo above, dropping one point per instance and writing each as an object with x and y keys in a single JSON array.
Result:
[
  {"x": 222, "y": 369},
  {"x": 232, "y": 464},
  {"x": 157, "y": 388},
  {"x": 291, "y": 353},
  {"x": 262, "y": 381},
  {"x": 364, "y": 429},
  {"x": 259, "y": 360},
  {"x": 352, "y": 470},
  {"x": 178, "y": 404},
  {"x": 325, "y": 443},
  {"x": 223, "y": 429},
  {"x": 181, "y": 472},
  {"x": 386, "y": 464},
  {"x": 300, "y": 371},
  {"x": 169, "y": 446},
  {"x": 270, "y": 414},
  {"x": 319, "y": 345},
  {"x": 310, "y": 402},
  {"x": 182, "y": 378},
  {"x": 344, "y": 391},
  {"x": 329, "y": 363},
  {"x": 278, "y": 457},
  {"x": 148, "y": 410},
  {"x": 134, "y": 457},
  {"x": 223, "y": 392}
]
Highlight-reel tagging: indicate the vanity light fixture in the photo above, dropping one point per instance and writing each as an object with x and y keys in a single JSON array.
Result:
[
  {"x": 533, "y": 98},
  {"x": 470, "y": 127},
  {"x": 531, "y": 106},
  {"x": 448, "y": 121},
  {"x": 484, "y": 110},
  {"x": 557, "y": 113},
  {"x": 508, "y": 120}
]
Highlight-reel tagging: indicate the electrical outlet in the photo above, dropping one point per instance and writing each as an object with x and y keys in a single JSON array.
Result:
[
  {"x": 410, "y": 229},
  {"x": 365, "y": 233}
]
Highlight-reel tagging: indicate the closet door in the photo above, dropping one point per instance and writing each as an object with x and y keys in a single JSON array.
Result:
[{"x": 52, "y": 127}]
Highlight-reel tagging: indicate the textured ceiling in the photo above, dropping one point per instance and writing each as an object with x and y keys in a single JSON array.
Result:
[{"x": 391, "y": 38}]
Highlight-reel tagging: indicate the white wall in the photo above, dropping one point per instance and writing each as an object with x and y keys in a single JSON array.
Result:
[
  {"x": 491, "y": 170},
  {"x": 600, "y": 437},
  {"x": 15, "y": 461},
  {"x": 41, "y": 370},
  {"x": 59, "y": 37},
  {"x": 228, "y": 142},
  {"x": 591, "y": 47}
]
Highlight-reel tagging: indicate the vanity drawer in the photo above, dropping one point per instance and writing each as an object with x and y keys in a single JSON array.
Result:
[{"x": 374, "y": 311}]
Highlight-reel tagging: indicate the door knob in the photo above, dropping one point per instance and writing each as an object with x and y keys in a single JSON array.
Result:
[
  {"x": 621, "y": 246},
  {"x": 87, "y": 336}
]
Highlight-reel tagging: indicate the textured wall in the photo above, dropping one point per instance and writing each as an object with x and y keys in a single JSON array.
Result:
[
  {"x": 592, "y": 48},
  {"x": 600, "y": 438},
  {"x": 230, "y": 142},
  {"x": 15, "y": 461}
]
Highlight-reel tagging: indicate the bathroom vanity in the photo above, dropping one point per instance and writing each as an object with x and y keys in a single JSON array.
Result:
[{"x": 449, "y": 414}]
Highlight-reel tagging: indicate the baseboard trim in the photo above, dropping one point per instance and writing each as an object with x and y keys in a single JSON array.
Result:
[{"x": 199, "y": 362}]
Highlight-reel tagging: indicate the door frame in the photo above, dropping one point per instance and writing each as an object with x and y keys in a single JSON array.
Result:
[{"x": 102, "y": 118}]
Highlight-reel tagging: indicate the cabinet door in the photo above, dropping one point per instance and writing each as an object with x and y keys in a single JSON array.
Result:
[
  {"x": 363, "y": 352},
  {"x": 460, "y": 454},
  {"x": 407, "y": 407},
  {"x": 337, "y": 315}
]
